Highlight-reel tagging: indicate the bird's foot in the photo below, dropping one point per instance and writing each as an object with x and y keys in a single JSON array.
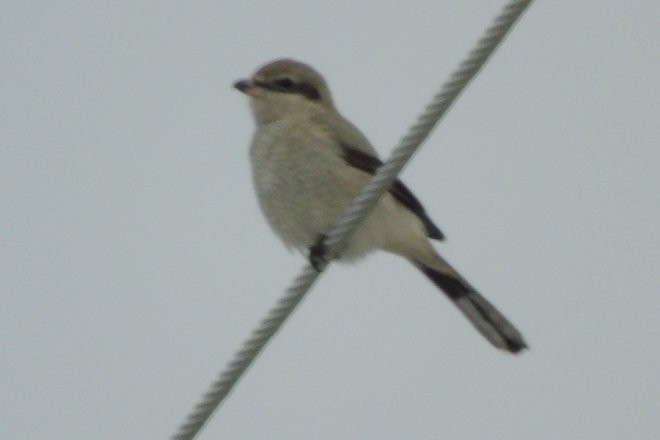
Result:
[{"x": 318, "y": 254}]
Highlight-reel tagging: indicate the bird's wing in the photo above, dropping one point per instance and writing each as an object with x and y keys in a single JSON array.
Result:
[{"x": 369, "y": 164}]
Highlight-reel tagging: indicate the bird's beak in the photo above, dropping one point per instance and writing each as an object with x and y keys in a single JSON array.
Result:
[{"x": 243, "y": 85}]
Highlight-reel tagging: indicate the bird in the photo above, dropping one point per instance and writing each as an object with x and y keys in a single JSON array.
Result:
[{"x": 308, "y": 163}]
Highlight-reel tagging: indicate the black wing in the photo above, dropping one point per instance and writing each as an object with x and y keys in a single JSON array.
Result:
[{"x": 369, "y": 164}]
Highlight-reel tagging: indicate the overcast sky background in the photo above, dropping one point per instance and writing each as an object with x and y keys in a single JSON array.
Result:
[{"x": 134, "y": 260}]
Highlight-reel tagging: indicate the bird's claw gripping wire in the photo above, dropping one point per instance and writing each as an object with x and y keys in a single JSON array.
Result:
[{"x": 318, "y": 254}]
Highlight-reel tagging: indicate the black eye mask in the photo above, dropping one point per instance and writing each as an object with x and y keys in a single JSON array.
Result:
[{"x": 287, "y": 85}]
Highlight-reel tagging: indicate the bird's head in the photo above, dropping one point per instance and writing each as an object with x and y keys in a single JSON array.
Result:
[{"x": 284, "y": 87}]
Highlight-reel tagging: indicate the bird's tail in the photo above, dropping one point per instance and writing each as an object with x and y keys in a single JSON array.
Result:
[{"x": 482, "y": 314}]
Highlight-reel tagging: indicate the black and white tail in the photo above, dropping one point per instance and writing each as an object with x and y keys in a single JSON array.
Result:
[{"x": 482, "y": 314}]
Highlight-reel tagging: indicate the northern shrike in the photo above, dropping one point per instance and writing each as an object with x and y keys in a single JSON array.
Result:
[{"x": 309, "y": 163}]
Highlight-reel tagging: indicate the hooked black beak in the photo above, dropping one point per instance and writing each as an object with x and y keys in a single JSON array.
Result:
[{"x": 242, "y": 85}]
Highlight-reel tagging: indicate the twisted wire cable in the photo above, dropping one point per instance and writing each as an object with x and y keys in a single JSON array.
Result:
[{"x": 359, "y": 209}]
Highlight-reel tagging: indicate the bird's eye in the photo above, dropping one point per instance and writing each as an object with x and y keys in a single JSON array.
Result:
[{"x": 285, "y": 83}]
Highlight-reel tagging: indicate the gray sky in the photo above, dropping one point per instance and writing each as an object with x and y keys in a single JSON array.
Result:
[{"x": 134, "y": 260}]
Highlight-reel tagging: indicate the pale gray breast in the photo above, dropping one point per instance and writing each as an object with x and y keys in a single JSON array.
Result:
[{"x": 297, "y": 175}]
